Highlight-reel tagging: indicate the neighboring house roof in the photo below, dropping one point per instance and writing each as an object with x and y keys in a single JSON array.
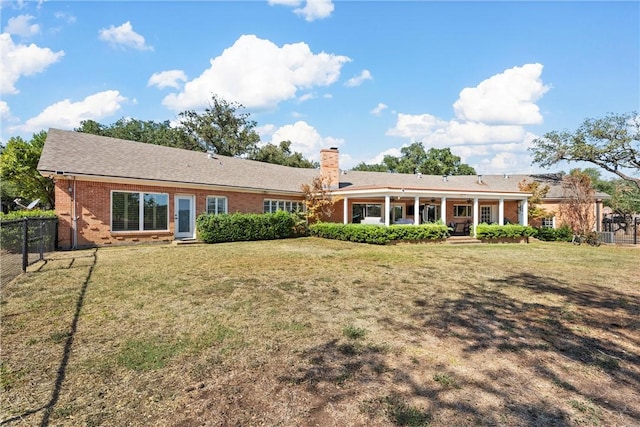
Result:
[
  {"x": 92, "y": 156},
  {"x": 98, "y": 157}
]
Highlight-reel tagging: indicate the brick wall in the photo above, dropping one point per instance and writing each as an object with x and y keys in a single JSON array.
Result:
[{"x": 93, "y": 211}]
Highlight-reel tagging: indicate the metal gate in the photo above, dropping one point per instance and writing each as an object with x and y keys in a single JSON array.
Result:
[{"x": 621, "y": 229}]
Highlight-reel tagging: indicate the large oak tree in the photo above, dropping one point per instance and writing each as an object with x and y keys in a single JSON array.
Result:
[{"x": 611, "y": 142}]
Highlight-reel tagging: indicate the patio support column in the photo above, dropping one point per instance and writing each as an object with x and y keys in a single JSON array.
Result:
[
  {"x": 525, "y": 212},
  {"x": 345, "y": 211},
  {"x": 443, "y": 210},
  {"x": 501, "y": 212},
  {"x": 416, "y": 210},
  {"x": 387, "y": 208},
  {"x": 476, "y": 214}
]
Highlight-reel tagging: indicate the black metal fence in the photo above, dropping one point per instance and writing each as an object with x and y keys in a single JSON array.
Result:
[
  {"x": 621, "y": 230},
  {"x": 23, "y": 242}
]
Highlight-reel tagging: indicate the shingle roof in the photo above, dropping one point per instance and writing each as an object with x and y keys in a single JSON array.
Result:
[{"x": 78, "y": 153}]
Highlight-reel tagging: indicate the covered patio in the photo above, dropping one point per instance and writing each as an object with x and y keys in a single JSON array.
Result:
[{"x": 462, "y": 211}]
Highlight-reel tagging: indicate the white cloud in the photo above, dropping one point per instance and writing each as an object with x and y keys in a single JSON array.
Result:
[
  {"x": 123, "y": 36},
  {"x": 380, "y": 157},
  {"x": 21, "y": 60},
  {"x": 304, "y": 139},
  {"x": 170, "y": 78},
  {"x": 313, "y": 9},
  {"x": 70, "y": 19},
  {"x": 506, "y": 98},
  {"x": 359, "y": 79},
  {"x": 379, "y": 109},
  {"x": 67, "y": 115},
  {"x": 258, "y": 74},
  {"x": 21, "y": 26},
  {"x": 488, "y": 131},
  {"x": 435, "y": 132},
  {"x": 306, "y": 97},
  {"x": 5, "y": 112}
]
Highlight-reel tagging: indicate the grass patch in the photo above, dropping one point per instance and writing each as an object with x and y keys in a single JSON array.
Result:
[
  {"x": 302, "y": 331},
  {"x": 403, "y": 414},
  {"x": 445, "y": 380},
  {"x": 147, "y": 355},
  {"x": 353, "y": 332}
]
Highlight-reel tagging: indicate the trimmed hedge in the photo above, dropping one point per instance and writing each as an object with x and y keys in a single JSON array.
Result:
[
  {"x": 509, "y": 231},
  {"x": 37, "y": 213},
  {"x": 562, "y": 234},
  {"x": 240, "y": 227},
  {"x": 377, "y": 234}
]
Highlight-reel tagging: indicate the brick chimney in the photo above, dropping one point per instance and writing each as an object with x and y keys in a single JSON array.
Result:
[{"x": 329, "y": 166}]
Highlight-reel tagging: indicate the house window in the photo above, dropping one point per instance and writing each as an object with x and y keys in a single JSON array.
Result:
[
  {"x": 359, "y": 211},
  {"x": 216, "y": 205},
  {"x": 462, "y": 210},
  {"x": 271, "y": 206},
  {"x": 139, "y": 211},
  {"x": 549, "y": 222}
]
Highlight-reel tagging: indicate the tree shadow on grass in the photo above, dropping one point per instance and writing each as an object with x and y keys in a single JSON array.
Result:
[
  {"x": 537, "y": 320},
  {"x": 64, "y": 361},
  {"x": 589, "y": 326}
]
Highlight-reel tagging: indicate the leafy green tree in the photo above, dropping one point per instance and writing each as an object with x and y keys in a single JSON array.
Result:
[
  {"x": 19, "y": 162},
  {"x": 414, "y": 158},
  {"x": 150, "y": 132},
  {"x": 625, "y": 196},
  {"x": 443, "y": 162},
  {"x": 538, "y": 193},
  {"x": 362, "y": 166},
  {"x": 222, "y": 128},
  {"x": 611, "y": 143},
  {"x": 281, "y": 155}
]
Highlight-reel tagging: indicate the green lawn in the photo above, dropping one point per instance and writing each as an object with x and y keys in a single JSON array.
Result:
[{"x": 315, "y": 332}]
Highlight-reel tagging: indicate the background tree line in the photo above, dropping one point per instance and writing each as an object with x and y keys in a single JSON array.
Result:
[{"x": 611, "y": 143}]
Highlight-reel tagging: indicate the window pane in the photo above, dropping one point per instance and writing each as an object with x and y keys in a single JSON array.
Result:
[
  {"x": 374, "y": 210},
  {"x": 156, "y": 208},
  {"x": 125, "y": 211},
  {"x": 222, "y": 205}
]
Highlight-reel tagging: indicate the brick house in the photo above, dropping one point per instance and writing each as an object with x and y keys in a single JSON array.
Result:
[{"x": 112, "y": 191}]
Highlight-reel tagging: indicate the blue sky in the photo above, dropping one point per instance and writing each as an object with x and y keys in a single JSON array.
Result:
[{"x": 483, "y": 78}]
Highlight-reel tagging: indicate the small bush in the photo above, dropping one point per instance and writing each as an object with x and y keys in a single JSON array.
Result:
[
  {"x": 377, "y": 234},
  {"x": 509, "y": 231},
  {"x": 244, "y": 227},
  {"x": 562, "y": 234}
]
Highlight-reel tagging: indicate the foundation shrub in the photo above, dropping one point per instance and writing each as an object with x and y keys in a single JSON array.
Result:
[
  {"x": 509, "y": 231},
  {"x": 377, "y": 234},
  {"x": 239, "y": 227},
  {"x": 562, "y": 234}
]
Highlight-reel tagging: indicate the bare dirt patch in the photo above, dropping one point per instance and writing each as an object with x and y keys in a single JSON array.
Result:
[{"x": 313, "y": 332}]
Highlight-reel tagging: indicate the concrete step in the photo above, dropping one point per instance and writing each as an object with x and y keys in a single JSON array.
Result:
[
  {"x": 462, "y": 240},
  {"x": 186, "y": 242}
]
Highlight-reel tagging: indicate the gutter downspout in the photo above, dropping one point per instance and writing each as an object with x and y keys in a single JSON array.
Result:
[{"x": 74, "y": 218}]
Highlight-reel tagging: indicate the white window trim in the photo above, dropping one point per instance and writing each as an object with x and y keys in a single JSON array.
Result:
[
  {"x": 140, "y": 212},
  {"x": 226, "y": 203},
  {"x": 553, "y": 222},
  {"x": 288, "y": 205}
]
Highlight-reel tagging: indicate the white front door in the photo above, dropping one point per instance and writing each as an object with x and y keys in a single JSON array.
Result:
[{"x": 185, "y": 218}]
